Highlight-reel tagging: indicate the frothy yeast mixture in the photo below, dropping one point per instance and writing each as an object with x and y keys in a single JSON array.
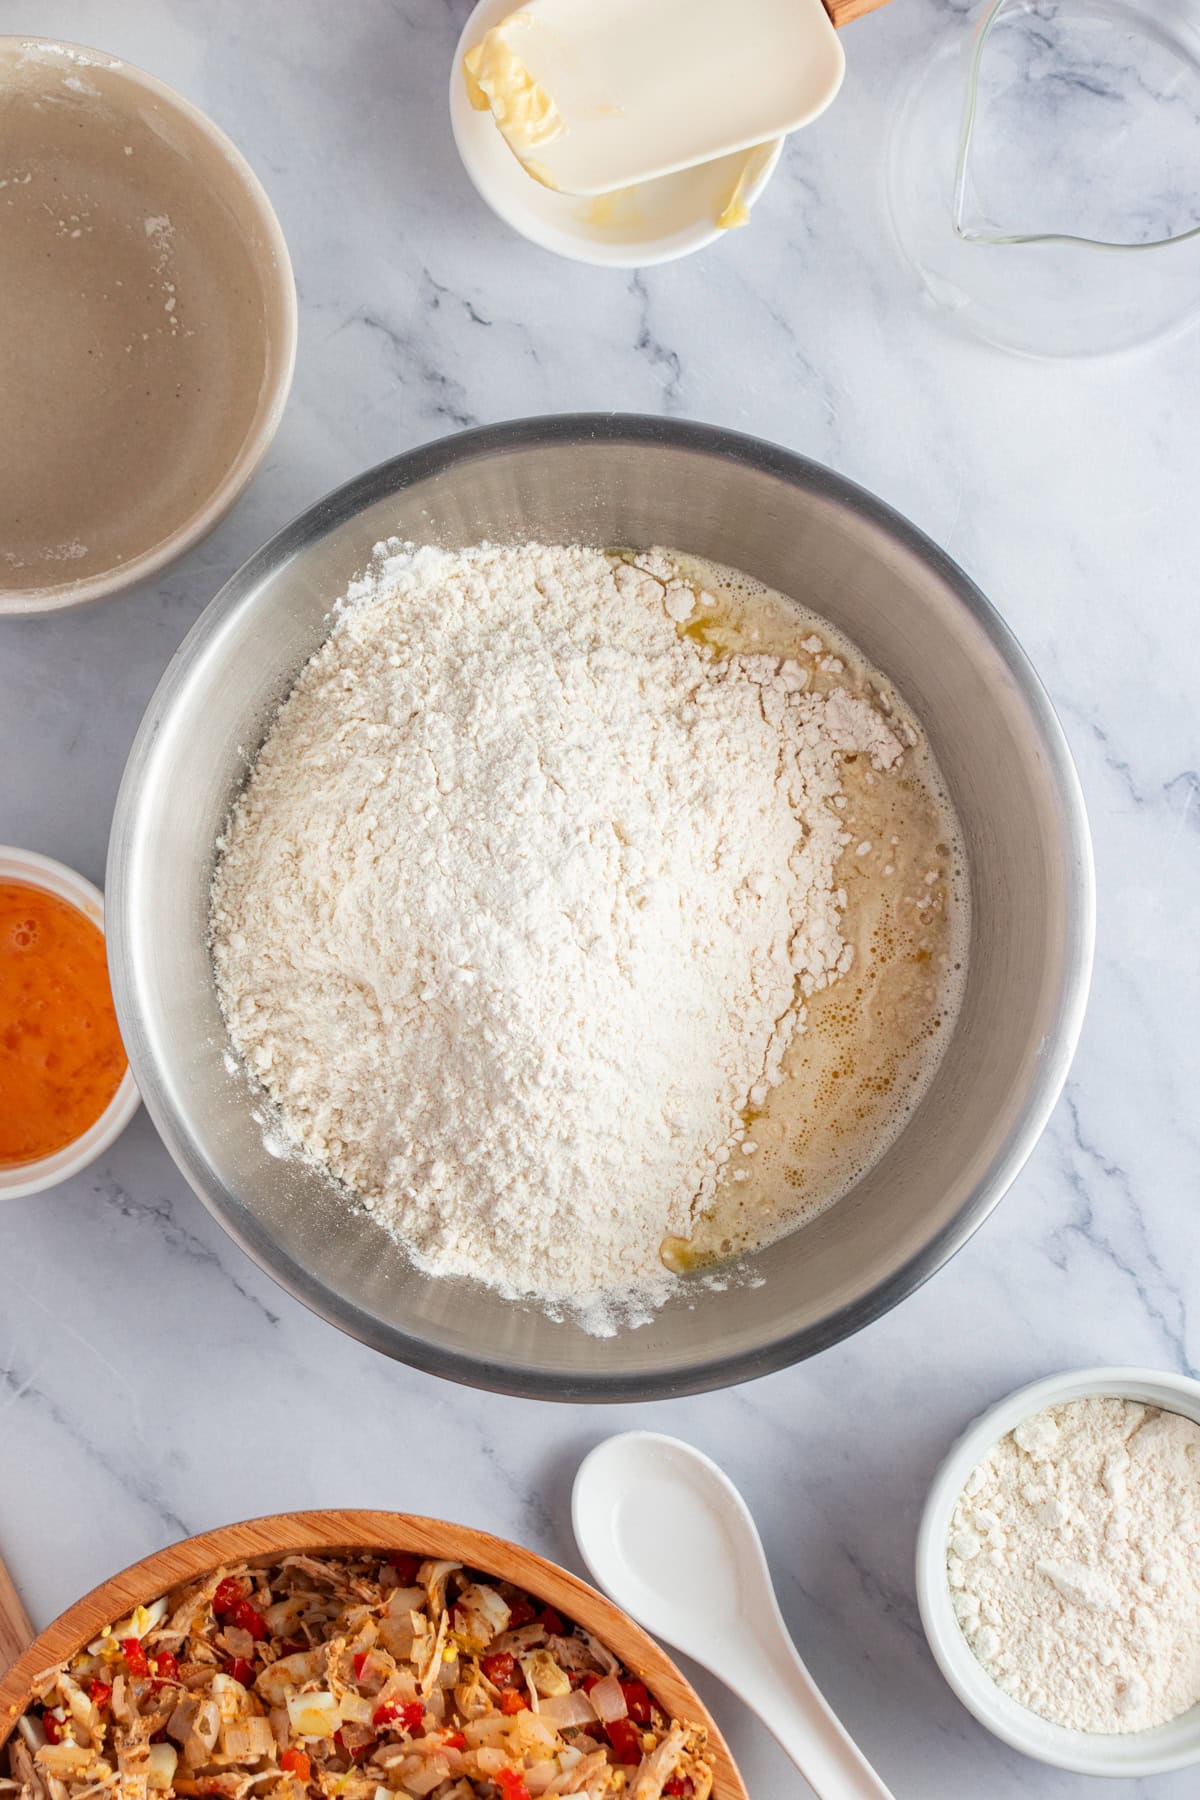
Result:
[{"x": 872, "y": 1039}]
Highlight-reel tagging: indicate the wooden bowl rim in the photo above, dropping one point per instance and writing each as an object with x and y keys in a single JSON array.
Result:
[{"x": 279, "y": 1534}]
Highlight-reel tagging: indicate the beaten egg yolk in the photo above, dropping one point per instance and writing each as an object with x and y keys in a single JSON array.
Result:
[{"x": 61, "y": 1056}]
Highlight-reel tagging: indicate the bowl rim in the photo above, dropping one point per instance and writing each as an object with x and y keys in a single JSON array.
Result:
[
  {"x": 267, "y": 1538},
  {"x": 722, "y": 1368},
  {"x": 107, "y": 582},
  {"x": 20, "y": 1180},
  {"x": 1131, "y": 1755}
]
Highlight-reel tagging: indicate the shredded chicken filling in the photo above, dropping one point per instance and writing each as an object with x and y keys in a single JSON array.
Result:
[{"x": 350, "y": 1678}]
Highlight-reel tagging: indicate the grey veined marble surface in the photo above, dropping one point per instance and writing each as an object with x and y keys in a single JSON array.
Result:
[{"x": 152, "y": 1382}]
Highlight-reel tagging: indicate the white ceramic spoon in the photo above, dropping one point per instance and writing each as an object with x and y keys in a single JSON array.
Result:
[{"x": 669, "y": 1537}]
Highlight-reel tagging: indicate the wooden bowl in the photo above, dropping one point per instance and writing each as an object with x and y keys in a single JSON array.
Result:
[{"x": 267, "y": 1540}]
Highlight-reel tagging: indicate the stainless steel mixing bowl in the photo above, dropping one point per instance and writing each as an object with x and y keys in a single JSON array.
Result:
[{"x": 613, "y": 480}]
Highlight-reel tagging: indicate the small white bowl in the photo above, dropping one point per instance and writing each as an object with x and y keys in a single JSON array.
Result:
[
  {"x": 1132, "y": 1754},
  {"x": 31, "y": 1178},
  {"x": 653, "y": 223}
]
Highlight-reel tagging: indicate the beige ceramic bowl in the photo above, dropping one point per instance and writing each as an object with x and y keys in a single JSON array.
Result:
[{"x": 147, "y": 324}]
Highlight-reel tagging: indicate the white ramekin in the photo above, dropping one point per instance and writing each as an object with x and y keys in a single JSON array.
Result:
[
  {"x": 1132, "y": 1754},
  {"x": 48, "y": 1171},
  {"x": 672, "y": 216}
]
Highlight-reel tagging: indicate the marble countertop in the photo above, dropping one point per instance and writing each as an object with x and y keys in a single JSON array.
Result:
[{"x": 152, "y": 1381}]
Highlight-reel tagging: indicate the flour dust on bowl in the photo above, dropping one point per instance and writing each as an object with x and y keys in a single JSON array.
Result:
[{"x": 799, "y": 531}]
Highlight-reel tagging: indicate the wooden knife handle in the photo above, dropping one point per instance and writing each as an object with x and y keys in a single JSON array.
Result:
[
  {"x": 844, "y": 12},
  {"x": 16, "y": 1633}
]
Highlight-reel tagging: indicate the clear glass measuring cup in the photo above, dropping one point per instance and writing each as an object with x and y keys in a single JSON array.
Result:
[{"x": 1043, "y": 173}]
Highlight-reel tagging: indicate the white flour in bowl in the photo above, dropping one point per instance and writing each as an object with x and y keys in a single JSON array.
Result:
[
  {"x": 518, "y": 911},
  {"x": 1074, "y": 1559}
]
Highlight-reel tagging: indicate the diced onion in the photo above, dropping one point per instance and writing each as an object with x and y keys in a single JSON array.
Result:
[
  {"x": 540, "y": 1776},
  {"x": 356, "y": 1709},
  {"x": 608, "y": 1700},
  {"x": 202, "y": 1732},
  {"x": 432, "y": 1775},
  {"x": 160, "y": 1771},
  {"x": 314, "y": 1715},
  {"x": 82, "y": 1709},
  {"x": 481, "y": 1731},
  {"x": 245, "y": 1740},
  {"x": 564, "y": 1710},
  {"x": 403, "y": 1600},
  {"x": 284, "y": 1616},
  {"x": 533, "y": 1735},
  {"x": 229, "y": 1695}
]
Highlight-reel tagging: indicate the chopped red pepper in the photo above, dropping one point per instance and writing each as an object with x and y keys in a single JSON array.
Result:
[
  {"x": 500, "y": 1669},
  {"x": 637, "y": 1701},
  {"x": 100, "y": 1693},
  {"x": 521, "y": 1612},
  {"x": 406, "y": 1568},
  {"x": 51, "y": 1727},
  {"x": 360, "y": 1663},
  {"x": 166, "y": 1668},
  {"x": 228, "y": 1593},
  {"x": 682, "y": 1786},
  {"x": 241, "y": 1670},
  {"x": 551, "y": 1622},
  {"x": 135, "y": 1656},
  {"x": 625, "y": 1739},
  {"x": 408, "y": 1714},
  {"x": 295, "y": 1762},
  {"x": 248, "y": 1618},
  {"x": 511, "y": 1702},
  {"x": 590, "y": 1681},
  {"x": 512, "y": 1784},
  {"x": 454, "y": 1740},
  {"x": 292, "y": 1647}
]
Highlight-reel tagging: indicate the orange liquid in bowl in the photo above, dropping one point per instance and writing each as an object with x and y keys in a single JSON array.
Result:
[{"x": 61, "y": 1056}]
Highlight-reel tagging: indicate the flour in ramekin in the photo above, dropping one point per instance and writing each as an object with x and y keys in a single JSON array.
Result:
[
  {"x": 1074, "y": 1559},
  {"x": 520, "y": 906}
]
